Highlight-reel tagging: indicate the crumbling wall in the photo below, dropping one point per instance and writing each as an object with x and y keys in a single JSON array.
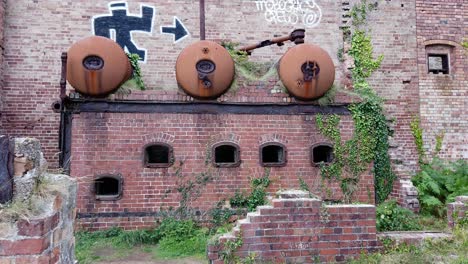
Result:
[
  {"x": 37, "y": 225},
  {"x": 457, "y": 210},
  {"x": 298, "y": 229}
]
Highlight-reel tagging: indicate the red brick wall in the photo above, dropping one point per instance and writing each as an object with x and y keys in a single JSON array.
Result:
[
  {"x": 443, "y": 97},
  {"x": 44, "y": 238},
  {"x": 113, "y": 143},
  {"x": 36, "y": 32},
  {"x": 302, "y": 230}
]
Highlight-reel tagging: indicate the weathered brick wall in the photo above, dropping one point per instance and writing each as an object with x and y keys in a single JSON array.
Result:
[
  {"x": 302, "y": 230},
  {"x": 45, "y": 236},
  {"x": 37, "y": 32},
  {"x": 393, "y": 30},
  {"x": 113, "y": 144},
  {"x": 457, "y": 210},
  {"x": 443, "y": 97}
]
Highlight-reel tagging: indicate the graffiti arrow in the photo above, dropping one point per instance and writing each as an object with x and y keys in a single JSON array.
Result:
[{"x": 178, "y": 30}]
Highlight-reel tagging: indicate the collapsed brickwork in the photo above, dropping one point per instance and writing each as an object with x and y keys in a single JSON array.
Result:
[
  {"x": 37, "y": 225},
  {"x": 457, "y": 210}
]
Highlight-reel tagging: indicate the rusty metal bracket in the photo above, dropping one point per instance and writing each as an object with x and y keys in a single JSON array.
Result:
[{"x": 297, "y": 36}]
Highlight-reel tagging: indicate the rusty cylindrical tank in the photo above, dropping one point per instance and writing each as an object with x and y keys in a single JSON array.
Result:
[
  {"x": 307, "y": 71},
  {"x": 204, "y": 70},
  {"x": 97, "y": 66}
]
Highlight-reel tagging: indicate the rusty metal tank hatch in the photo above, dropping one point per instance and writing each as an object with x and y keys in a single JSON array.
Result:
[
  {"x": 307, "y": 71},
  {"x": 204, "y": 70},
  {"x": 97, "y": 66}
]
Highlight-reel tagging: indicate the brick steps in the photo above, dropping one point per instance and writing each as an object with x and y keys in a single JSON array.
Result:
[{"x": 298, "y": 229}]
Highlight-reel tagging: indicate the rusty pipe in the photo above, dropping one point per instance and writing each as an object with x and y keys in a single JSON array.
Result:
[
  {"x": 297, "y": 36},
  {"x": 202, "y": 20},
  {"x": 63, "y": 76}
]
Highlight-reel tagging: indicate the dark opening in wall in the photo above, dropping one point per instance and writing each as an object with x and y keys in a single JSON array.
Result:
[
  {"x": 226, "y": 155},
  {"x": 108, "y": 187},
  {"x": 321, "y": 153},
  {"x": 273, "y": 155},
  {"x": 158, "y": 155},
  {"x": 438, "y": 63}
]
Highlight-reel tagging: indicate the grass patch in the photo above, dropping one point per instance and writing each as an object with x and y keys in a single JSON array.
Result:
[
  {"x": 115, "y": 242},
  {"x": 452, "y": 251},
  {"x": 431, "y": 223},
  {"x": 175, "y": 239}
]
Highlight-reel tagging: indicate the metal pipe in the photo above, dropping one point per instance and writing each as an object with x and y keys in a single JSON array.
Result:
[
  {"x": 63, "y": 77},
  {"x": 297, "y": 36},
  {"x": 202, "y": 20}
]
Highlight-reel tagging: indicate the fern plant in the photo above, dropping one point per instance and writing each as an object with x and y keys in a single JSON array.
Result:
[{"x": 438, "y": 183}]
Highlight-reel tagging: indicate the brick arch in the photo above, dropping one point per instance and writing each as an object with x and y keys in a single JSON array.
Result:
[
  {"x": 318, "y": 138},
  {"x": 432, "y": 42},
  {"x": 162, "y": 137},
  {"x": 273, "y": 138},
  {"x": 225, "y": 137}
]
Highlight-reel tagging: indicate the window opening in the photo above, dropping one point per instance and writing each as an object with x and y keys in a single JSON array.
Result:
[
  {"x": 226, "y": 155},
  {"x": 158, "y": 155},
  {"x": 438, "y": 63},
  {"x": 273, "y": 155},
  {"x": 322, "y": 153},
  {"x": 108, "y": 188}
]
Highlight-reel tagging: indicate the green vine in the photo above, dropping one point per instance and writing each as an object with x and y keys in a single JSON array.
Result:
[
  {"x": 252, "y": 71},
  {"x": 464, "y": 44},
  {"x": 229, "y": 249},
  {"x": 256, "y": 197},
  {"x": 370, "y": 138},
  {"x": 417, "y": 133},
  {"x": 349, "y": 156},
  {"x": 136, "y": 75}
]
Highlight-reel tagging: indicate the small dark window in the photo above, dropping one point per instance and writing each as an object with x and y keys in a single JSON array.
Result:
[
  {"x": 438, "y": 63},
  {"x": 108, "y": 187},
  {"x": 226, "y": 155},
  {"x": 273, "y": 155},
  {"x": 321, "y": 153},
  {"x": 158, "y": 155}
]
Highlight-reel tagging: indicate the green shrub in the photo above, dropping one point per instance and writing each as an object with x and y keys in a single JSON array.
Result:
[
  {"x": 391, "y": 217},
  {"x": 438, "y": 183}
]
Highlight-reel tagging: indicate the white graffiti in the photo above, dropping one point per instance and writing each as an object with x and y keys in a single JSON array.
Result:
[{"x": 306, "y": 12}]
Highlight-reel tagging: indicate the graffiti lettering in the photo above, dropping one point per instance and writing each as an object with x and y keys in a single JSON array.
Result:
[
  {"x": 292, "y": 12},
  {"x": 118, "y": 26}
]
